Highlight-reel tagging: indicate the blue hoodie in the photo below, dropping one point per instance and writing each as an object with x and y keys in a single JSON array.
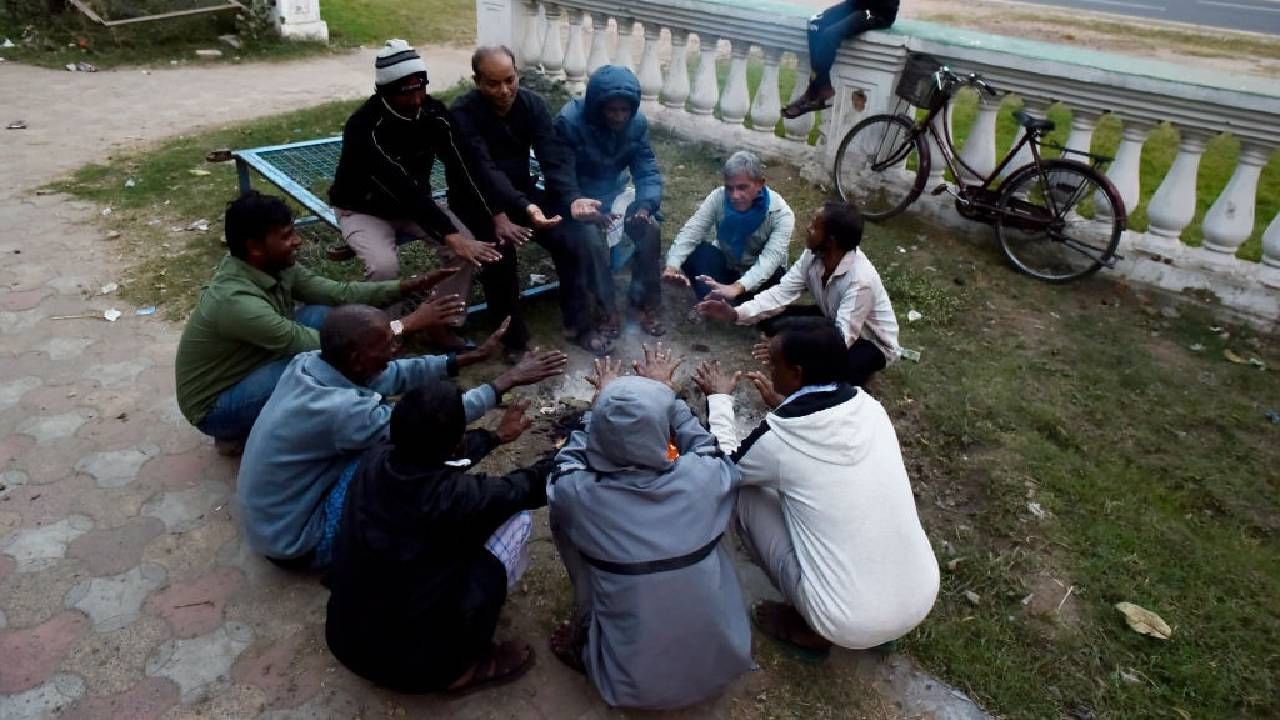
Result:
[{"x": 604, "y": 157}]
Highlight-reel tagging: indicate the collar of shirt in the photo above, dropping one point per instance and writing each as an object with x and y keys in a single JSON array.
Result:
[
  {"x": 236, "y": 266},
  {"x": 809, "y": 389}
]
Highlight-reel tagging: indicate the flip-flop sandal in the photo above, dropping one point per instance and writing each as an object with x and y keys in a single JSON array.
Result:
[
  {"x": 769, "y": 625},
  {"x": 564, "y": 653},
  {"x": 611, "y": 329},
  {"x": 803, "y": 106},
  {"x": 595, "y": 343},
  {"x": 496, "y": 669},
  {"x": 652, "y": 324}
]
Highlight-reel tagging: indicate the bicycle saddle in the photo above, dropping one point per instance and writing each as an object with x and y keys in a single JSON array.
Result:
[{"x": 1034, "y": 124}]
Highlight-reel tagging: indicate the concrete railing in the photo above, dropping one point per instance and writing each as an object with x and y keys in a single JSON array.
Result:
[{"x": 569, "y": 39}]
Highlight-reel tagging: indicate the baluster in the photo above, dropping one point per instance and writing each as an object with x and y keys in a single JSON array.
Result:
[
  {"x": 706, "y": 87},
  {"x": 736, "y": 98},
  {"x": 979, "y": 151},
  {"x": 1082, "y": 124},
  {"x": 799, "y": 128},
  {"x": 650, "y": 75},
  {"x": 575, "y": 58},
  {"x": 552, "y": 47},
  {"x": 676, "y": 91},
  {"x": 622, "y": 54},
  {"x": 532, "y": 38},
  {"x": 1126, "y": 167},
  {"x": 1271, "y": 243},
  {"x": 1174, "y": 203},
  {"x": 1230, "y": 219},
  {"x": 766, "y": 107},
  {"x": 938, "y": 165},
  {"x": 599, "y": 56},
  {"x": 1036, "y": 107}
]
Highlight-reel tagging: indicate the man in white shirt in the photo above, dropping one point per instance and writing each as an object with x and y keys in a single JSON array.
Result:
[
  {"x": 737, "y": 241},
  {"x": 845, "y": 285},
  {"x": 826, "y": 508}
]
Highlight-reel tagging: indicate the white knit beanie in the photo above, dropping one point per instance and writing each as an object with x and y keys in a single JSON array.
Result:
[{"x": 396, "y": 60}]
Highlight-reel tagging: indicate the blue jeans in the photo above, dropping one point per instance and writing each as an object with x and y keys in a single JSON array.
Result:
[
  {"x": 707, "y": 259},
  {"x": 236, "y": 408},
  {"x": 829, "y": 28}
]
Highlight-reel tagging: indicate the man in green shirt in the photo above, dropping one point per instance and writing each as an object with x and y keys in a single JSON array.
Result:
[{"x": 245, "y": 329}]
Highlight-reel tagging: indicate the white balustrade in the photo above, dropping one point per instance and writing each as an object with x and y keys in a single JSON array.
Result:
[
  {"x": 599, "y": 56},
  {"x": 1271, "y": 243},
  {"x": 938, "y": 168},
  {"x": 1174, "y": 203},
  {"x": 1126, "y": 166},
  {"x": 650, "y": 75},
  {"x": 799, "y": 128},
  {"x": 736, "y": 98},
  {"x": 575, "y": 56},
  {"x": 531, "y": 47},
  {"x": 1229, "y": 221},
  {"x": 552, "y": 46},
  {"x": 1036, "y": 108},
  {"x": 1082, "y": 124},
  {"x": 766, "y": 106},
  {"x": 706, "y": 86},
  {"x": 676, "y": 89},
  {"x": 979, "y": 151},
  {"x": 622, "y": 53}
]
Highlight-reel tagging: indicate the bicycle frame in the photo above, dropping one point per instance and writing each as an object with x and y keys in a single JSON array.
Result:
[{"x": 961, "y": 170}]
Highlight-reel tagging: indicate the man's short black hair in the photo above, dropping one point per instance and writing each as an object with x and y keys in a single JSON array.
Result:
[
  {"x": 841, "y": 222},
  {"x": 250, "y": 217},
  {"x": 347, "y": 329},
  {"x": 428, "y": 422},
  {"x": 815, "y": 345},
  {"x": 485, "y": 51}
]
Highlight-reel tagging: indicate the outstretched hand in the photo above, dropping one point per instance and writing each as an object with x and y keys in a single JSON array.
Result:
[
  {"x": 421, "y": 284},
  {"x": 541, "y": 221},
  {"x": 720, "y": 290},
  {"x": 764, "y": 386},
  {"x": 658, "y": 364},
  {"x": 760, "y": 351},
  {"x": 536, "y": 365},
  {"x": 711, "y": 379},
  {"x": 436, "y": 313},
  {"x": 488, "y": 348},
  {"x": 509, "y": 233},
  {"x": 514, "y": 422},
  {"x": 717, "y": 309},
  {"x": 675, "y": 276},
  {"x": 604, "y": 371}
]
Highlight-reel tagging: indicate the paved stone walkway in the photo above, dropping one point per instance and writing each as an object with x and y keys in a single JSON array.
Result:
[{"x": 125, "y": 588}]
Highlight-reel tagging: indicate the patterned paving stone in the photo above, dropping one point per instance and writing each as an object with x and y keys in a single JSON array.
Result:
[
  {"x": 41, "y": 504},
  {"x": 291, "y": 672},
  {"x": 113, "y": 551},
  {"x": 184, "y": 510},
  {"x": 14, "y": 323},
  {"x": 187, "y": 555},
  {"x": 44, "y": 701},
  {"x": 331, "y": 703},
  {"x": 65, "y": 348},
  {"x": 10, "y": 479},
  {"x": 197, "y": 662},
  {"x": 219, "y": 700},
  {"x": 174, "y": 472},
  {"x": 147, "y": 700},
  {"x": 22, "y": 299},
  {"x": 14, "y": 447},
  {"x": 47, "y": 428},
  {"x": 7, "y": 565},
  {"x": 70, "y": 284},
  {"x": 12, "y": 391},
  {"x": 115, "y": 601},
  {"x": 195, "y": 607},
  {"x": 116, "y": 468},
  {"x": 116, "y": 375},
  {"x": 113, "y": 662},
  {"x": 53, "y": 399},
  {"x": 31, "y": 655},
  {"x": 36, "y": 548}
]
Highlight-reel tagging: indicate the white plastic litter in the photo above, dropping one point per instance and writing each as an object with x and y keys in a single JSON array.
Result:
[
  {"x": 108, "y": 289},
  {"x": 913, "y": 316},
  {"x": 112, "y": 315}
]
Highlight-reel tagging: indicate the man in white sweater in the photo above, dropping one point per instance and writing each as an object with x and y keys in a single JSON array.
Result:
[{"x": 826, "y": 509}]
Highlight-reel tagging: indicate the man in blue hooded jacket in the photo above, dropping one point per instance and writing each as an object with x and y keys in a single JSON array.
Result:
[{"x": 610, "y": 140}]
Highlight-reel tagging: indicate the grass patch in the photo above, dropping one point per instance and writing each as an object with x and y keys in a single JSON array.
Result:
[{"x": 1154, "y": 464}]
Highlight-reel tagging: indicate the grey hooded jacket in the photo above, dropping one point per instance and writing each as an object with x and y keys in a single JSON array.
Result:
[{"x": 657, "y": 596}]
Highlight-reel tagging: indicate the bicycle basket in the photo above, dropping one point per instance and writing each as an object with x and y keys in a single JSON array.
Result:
[{"x": 916, "y": 84}]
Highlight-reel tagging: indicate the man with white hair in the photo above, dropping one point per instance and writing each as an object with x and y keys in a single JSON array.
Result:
[{"x": 736, "y": 243}]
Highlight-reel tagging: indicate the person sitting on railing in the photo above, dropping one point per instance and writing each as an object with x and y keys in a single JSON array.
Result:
[
  {"x": 736, "y": 243},
  {"x": 827, "y": 30},
  {"x": 382, "y": 185},
  {"x": 328, "y": 410},
  {"x": 429, "y": 552},
  {"x": 659, "y": 620},
  {"x": 503, "y": 122},
  {"x": 845, "y": 285},
  {"x": 826, "y": 509},
  {"x": 245, "y": 328},
  {"x": 609, "y": 137}
]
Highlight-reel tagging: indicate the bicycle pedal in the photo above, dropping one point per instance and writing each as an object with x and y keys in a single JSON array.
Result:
[{"x": 938, "y": 190}]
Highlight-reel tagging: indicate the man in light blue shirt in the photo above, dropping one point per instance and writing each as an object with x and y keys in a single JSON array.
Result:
[{"x": 328, "y": 408}]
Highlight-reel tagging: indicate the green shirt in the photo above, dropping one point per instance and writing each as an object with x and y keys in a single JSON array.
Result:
[{"x": 244, "y": 319}]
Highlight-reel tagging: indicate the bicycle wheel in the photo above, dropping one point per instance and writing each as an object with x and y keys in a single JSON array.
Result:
[
  {"x": 1059, "y": 222},
  {"x": 881, "y": 166}
]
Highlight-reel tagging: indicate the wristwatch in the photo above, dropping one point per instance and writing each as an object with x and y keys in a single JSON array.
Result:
[{"x": 397, "y": 328}]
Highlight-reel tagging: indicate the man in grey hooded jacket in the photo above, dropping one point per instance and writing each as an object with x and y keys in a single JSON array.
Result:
[{"x": 659, "y": 619}]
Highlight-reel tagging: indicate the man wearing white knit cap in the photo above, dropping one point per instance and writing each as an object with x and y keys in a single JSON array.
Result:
[{"x": 382, "y": 187}]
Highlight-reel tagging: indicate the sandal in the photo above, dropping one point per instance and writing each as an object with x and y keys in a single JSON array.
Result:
[
  {"x": 564, "y": 648},
  {"x": 779, "y": 621},
  {"x": 611, "y": 327},
  {"x": 804, "y": 104},
  {"x": 595, "y": 343},
  {"x": 505, "y": 663},
  {"x": 651, "y": 323}
]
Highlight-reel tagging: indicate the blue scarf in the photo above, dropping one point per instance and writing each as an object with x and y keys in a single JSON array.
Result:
[{"x": 736, "y": 226}]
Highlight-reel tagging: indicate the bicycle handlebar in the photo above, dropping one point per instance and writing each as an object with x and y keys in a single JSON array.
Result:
[{"x": 972, "y": 80}]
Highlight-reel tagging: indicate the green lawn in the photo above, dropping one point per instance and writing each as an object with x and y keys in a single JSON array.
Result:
[{"x": 1147, "y": 451}]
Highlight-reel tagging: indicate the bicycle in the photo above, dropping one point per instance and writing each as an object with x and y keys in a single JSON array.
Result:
[{"x": 1056, "y": 219}]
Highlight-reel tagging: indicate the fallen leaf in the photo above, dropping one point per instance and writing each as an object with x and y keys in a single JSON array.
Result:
[
  {"x": 1233, "y": 357},
  {"x": 199, "y": 173},
  {"x": 1143, "y": 621}
]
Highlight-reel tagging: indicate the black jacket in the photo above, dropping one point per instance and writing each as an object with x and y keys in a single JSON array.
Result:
[
  {"x": 385, "y": 166},
  {"x": 415, "y": 594},
  {"x": 500, "y": 148}
]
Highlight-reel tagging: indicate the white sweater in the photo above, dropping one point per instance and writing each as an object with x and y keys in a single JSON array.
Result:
[{"x": 868, "y": 572}]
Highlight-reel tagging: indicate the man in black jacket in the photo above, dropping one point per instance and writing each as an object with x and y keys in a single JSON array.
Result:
[
  {"x": 503, "y": 122},
  {"x": 427, "y": 551},
  {"x": 382, "y": 186}
]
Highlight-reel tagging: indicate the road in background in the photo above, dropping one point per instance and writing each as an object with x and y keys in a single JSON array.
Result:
[{"x": 1254, "y": 15}]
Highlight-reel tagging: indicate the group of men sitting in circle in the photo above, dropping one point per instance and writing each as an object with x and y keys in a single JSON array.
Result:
[{"x": 297, "y": 372}]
